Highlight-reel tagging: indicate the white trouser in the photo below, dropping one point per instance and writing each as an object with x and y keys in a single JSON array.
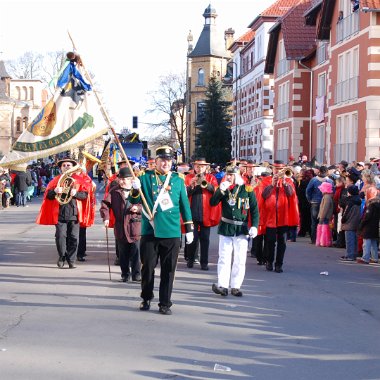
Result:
[{"x": 238, "y": 246}]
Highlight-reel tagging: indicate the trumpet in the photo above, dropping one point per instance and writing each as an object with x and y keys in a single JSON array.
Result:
[
  {"x": 201, "y": 181},
  {"x": 285, "y": 172},
  {"x": 67, "y": 183}
]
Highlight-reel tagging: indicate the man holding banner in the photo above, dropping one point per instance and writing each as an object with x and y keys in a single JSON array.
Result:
[{"x": 165, "y": 194}]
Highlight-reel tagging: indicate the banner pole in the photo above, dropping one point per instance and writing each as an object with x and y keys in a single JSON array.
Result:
[{"x": 108, "y": 121}]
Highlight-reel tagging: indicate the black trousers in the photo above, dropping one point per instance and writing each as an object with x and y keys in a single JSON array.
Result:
[
  {"x": 258, "y": 247},
  {"x": 202, "y": 236},
  {"x": 129, "y": 257},
  {"x": 82, "y": 244},
  {"x": 275, "y": 236},
  {"x": 166, "y": 250},
  {"x": 66, "y": 239}
]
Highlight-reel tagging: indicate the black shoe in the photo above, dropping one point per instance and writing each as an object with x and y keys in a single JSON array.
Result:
[
  {"x": 145, "y": 305},
  {"x": 204, "y": 267},
  {"x": 117, "y": 261},
  {"x": 196, "y": 261},
  {"x": 71, "y": 265},
  {"x": 136, "y": 278},
  {"x": 190, "y": 264},
  {"x": 80, "y": 258},
  {"x": 219, "y": 290},
  {"x": 124, "y": 277},
  {"x": 278, "y": 269},
  {"x": 261, "y": 263},
  {"x": 269, "y": 267},
  {"x": 164, "y": 310},
  {"x": 61, "y": 262},
  {"x": 236, "y": 292}
]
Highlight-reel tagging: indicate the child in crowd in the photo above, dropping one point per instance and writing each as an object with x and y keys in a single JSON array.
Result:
[
  {"x": 350, "y": 222},
  {"x": 325, "y": 214},
  {"x": 369, "y": 227}
]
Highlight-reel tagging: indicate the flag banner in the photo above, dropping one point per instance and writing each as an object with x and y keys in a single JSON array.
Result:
[{"x": 71, "y": 118}]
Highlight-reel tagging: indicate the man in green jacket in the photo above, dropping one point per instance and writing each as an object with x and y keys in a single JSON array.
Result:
[
  {"x": 165, "y": 194},
  {"x": 239, "y": 211}
]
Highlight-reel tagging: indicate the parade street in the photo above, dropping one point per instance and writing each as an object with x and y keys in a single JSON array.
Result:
[{"x": 77, "y": 324}]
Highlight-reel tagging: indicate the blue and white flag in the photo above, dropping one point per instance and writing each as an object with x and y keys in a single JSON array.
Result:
[{"x": 71, "y": 118}]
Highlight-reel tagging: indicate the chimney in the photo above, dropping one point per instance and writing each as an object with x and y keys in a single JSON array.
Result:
[{"x": 229, "y": 37}]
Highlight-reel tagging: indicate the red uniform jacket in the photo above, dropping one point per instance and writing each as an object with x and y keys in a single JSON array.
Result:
[
  {"x": 276, "y": 206},
  {"x": 264, "y": 182},
  {"x": 49, "y": 211},
  {"x": 211, "y": 214}
]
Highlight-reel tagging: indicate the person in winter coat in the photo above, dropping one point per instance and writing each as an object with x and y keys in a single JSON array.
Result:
[
  {"x": 369, "y": 227},
  {"x": 338, "y": 234},
  {"x": 350, "y": 222},
  {"x": 127, "y": 226},
  {"x": 304, "y": 207},
  {"x": 314, "y": 196},
  {"x": 22, "y": 181},
  {"x": 326, "y": 210}
]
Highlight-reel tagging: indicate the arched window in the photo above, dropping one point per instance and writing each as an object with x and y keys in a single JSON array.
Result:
[
  {"x": 201, "y": 77},
  {"x": 18, "y": 92},
  {"x": 25, "y": 122},
  {"x": 18, "y": 124},
  {"x": 31, "y": 93},
  {"x": 24, "y": 93}
]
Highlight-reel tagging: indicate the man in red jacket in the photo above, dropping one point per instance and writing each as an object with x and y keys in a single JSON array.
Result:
[
  {"x": 276, "y": 208},
  {"x": 200, "y": 187}
]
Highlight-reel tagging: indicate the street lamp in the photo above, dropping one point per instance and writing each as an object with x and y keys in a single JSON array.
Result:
[
  {"x": 188, "y": 96},
  {"x": 227, "y": 79}
]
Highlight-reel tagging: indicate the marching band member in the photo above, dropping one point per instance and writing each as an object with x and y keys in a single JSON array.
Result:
[
  {"x": 66, "y": 217},
  {"x": 200, "y": 187},
  {"x": 276, "y": 207},
  {"x": 239, "y": 209},
  {"x": 166, "y": 196}
]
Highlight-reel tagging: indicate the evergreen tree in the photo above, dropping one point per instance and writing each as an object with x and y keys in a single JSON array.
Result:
[{"x": 214, "y": 136}]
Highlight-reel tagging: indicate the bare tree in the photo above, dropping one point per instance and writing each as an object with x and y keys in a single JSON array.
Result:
[
  {"x": 52, "y": 63},
  {"x": 28, "y": 66},
  {"x": 169, "y": 102}
]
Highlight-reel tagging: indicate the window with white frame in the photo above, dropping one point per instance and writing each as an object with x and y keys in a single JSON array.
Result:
[
  {"x": 321, "y": 138},
  {"x": 283, "y": 144},
  {"x": 283, "y": 101},
  {"x": 259, "y": 46},
  {"x": 346, "y": 137},
  {"x": 348, "y": 75},
  {"x": 283, "y": 63},
  {"x": 322, "y": 84}
]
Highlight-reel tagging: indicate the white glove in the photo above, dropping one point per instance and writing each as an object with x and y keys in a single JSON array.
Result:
[
  {"x": 224, "y": 185},
  {"x": 58, "y": 190},
  {"x": 252, "y": 232},
  {"x": 239, "y": 180},
  {"x": 106, "y": 223},
  {"x": 136, "y": 184},
  {"x": 189, "y": 236}
]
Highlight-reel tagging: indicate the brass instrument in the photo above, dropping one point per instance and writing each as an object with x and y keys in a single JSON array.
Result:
[
  {"x": 67, "y": 183},
  {"x": 201, "y": 181},
  {"x": 285, "y": 172}
]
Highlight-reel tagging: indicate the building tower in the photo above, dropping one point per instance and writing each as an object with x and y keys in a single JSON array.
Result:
[{"x": 208, "y": 58}]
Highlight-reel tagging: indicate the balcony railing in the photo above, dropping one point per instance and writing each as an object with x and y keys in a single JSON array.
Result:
[
  {"x": 347, "y": 26},
  {"x": 346, "y": 90},
  {"x": 283, "y": 67},
  {"x": 282, "y": 154},
  {"x": 282, "y": 111},
  {"x": 345, "y": 152}
]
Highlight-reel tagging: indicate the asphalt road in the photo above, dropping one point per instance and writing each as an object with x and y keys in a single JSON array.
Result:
[{"x": 77, "y": 324}]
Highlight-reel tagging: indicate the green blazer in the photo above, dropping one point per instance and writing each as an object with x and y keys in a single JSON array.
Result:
[
  {"x": 245, "y": 207},
  {"x": 167, "y": 224}
]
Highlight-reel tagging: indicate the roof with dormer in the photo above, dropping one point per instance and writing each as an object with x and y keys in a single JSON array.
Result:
[
  {"x": 246, "y": 38},
  {"x": 210, "y": 41},
  {"x": 299, "y": 38}
]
